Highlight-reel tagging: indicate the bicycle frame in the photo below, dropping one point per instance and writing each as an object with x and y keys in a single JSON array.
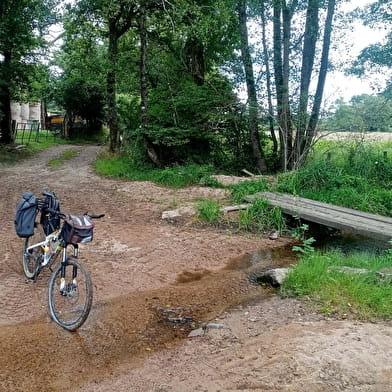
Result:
[{"x": 49, "y": 255}]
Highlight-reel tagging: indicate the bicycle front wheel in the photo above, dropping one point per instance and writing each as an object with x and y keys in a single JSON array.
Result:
[{"x": 70, "y": 296}]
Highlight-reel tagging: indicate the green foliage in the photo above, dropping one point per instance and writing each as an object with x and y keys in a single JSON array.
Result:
[
  {"x": 365, "y": 113},
  {"x": 80, "y": 88},
  {"x": 357, "y": 176},
  {"x": 299, "y": 233},
  {"x": 190, "y": 122},
  {"x": 22, "y": 25},
  {"x": 321, "y": 277},
  {"x": 261, "y": 216},
  {"x": 238, "y": 191},
  {"x": 174, "y": 176},
  {"x": 209, "y": 211}
]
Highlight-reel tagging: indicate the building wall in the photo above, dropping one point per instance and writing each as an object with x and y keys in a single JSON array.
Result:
[{"x": 23, "y": 112}]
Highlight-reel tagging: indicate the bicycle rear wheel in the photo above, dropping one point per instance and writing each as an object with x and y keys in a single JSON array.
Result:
[
  {"x": 32, "y": 259},
  {"x": 70, "y": 298}
]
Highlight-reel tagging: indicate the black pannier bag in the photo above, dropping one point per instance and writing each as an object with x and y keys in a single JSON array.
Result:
[
  {"x": 77, "y": 229},
  {"x": 49, "y": 221},
  {"x": 26, "y": 212}
]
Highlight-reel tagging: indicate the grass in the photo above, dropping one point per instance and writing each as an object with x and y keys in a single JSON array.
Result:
[
  {"x": 364, "y": 296},
  {"x": 66, "y": 155},
  {"x": 260, "y": 217},
  {"x": 358, "y": 177},
  {"x": 245, "y": 188},
  {"x": 209, "y": 211},
  {"x": 11, "y": 155},
  {"x": 173, "y": 176}
]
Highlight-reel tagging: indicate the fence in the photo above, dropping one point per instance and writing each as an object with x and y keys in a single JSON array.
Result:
[{"x": 25, "y": 133}]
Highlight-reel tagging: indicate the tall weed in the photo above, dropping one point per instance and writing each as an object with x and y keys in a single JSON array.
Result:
[
  {"x": 209, "y": 211},
  {"x": 356, "y": 176},
  {"x": 261, "y": 216}
]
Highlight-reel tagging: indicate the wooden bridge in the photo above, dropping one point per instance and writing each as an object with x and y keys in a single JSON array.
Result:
[{"x": 346, "y": 219}]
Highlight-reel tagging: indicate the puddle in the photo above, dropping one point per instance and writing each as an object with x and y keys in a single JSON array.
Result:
[
  {"x": 270, "y": 258},
  {"x": 351, "y": 243}
]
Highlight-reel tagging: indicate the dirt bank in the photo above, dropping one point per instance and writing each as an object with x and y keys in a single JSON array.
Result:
[{"x": 140, "y": 266}]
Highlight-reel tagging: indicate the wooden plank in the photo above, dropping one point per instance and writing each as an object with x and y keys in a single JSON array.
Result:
[
  {"x": 227, "y": 209},
  {"x": 301, "y": 201},
  {"x": 346, "y": 219}
]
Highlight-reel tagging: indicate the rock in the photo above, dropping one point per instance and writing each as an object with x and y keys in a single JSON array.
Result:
[
  {"x": 274, "y": 277},
  {"x": 213, "y": 326},
  {"x": 196, "y": 332},
  {"x": 385, "y": 273},
  {"x": 350, "y": 270},
  {"x": 274, "y": 235},
  {"x": 182, "y": 211}
]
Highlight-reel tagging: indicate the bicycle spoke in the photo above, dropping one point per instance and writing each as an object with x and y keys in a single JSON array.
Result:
[{"x": 69, "y": 297}]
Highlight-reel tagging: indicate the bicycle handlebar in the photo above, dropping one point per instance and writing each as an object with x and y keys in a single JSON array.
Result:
[{"x": 62, "y": 215}]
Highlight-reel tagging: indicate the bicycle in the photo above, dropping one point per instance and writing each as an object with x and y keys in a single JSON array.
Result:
[{"x": 70, "y": 290}]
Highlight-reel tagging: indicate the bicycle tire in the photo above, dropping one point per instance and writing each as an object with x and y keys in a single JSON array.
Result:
[
  {"x": 70, "y": 306},
  {"x": 32, "y": 260}
]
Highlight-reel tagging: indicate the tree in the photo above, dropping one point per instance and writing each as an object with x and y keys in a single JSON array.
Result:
[
  {"x": 80, "y": 86},
  {"x": 117, "y": 17},
  {"x": 376, "y": 57},
  {"x": 295, "y": 148},
  {"x": 22, "y": 26},
  {"x": 251, "y": 89},
  {"x": 364, "y": 113}
]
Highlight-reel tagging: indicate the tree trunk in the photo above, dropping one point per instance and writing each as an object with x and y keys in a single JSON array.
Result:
[
  {"x": 278, "y": 70},
  {"x": 268, "y": 78},
  {"x": 251, "y": 89},
  {"x": 5, "y": 101},
  {"x": 308, "y": 54},
  {"x": 194, "y": 50},
  {"x": 114, "y": 145},
  {"x": 148, "y": 145},
  {"x": 314, "y": 117},
  {"x": 287, "y": 124}
]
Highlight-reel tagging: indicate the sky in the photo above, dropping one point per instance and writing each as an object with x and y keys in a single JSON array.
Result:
[{"x": 339, "y": 85}]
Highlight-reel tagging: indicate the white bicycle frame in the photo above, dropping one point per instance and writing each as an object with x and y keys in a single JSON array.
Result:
[{"x": 48, "y": 247}]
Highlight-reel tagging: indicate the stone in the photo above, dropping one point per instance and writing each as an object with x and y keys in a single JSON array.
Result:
[
  {"x": 196, "y": 332},
  {"x": 213, "y": 326},
  {"x": 274, "y": 277},
  {"x": 350, "y": 270},
  {"x": 385, "y": 273},
  {"x": 274, "y": 235},
  {"x": 179, "y": 212}
]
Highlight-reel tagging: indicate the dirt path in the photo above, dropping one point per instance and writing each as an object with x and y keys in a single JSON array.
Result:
[{"x": 141, "y": 265}]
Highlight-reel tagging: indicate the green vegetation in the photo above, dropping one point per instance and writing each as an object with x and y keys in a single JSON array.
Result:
[
  {"x": 247, "y": 188},
  {"x": 9, "y": 155},
  {"x": 322, "y": 278},
  {"x": 357, "y": 175},
  {"x": 174, "y": 176},
  {"x": 209, "y": 211},
  {"x": 66, "y": 155},
  {"x": 260, "y": 216}
]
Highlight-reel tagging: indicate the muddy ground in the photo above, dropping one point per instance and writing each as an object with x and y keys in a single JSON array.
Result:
[{"x": 142, "y": 267}]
